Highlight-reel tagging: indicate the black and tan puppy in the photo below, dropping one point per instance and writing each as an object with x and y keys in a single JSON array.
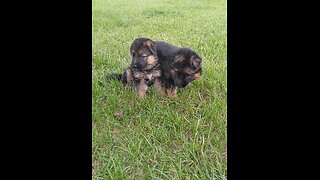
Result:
[
  {"x": 179, "y": 66},
  {"x": 144, "y": 70}
]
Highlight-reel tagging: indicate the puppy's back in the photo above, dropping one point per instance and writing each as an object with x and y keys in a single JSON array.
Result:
[{"x": 166, "y": 49}]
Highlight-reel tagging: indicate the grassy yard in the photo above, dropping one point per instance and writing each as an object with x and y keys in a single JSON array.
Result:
[{"x": 159, "y": 138}]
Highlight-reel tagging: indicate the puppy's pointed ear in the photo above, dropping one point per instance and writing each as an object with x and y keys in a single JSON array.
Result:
[
  {"x": 152, "y": 46},
  {"x": 195, "y": 61}
]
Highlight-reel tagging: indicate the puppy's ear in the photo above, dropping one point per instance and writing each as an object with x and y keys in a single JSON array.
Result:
[
  {"x": 195, "y": 61},
  {"x": 152, "y": 46}
]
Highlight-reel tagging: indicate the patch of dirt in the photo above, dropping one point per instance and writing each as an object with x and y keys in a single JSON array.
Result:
[{"x": 118, "y": 114}]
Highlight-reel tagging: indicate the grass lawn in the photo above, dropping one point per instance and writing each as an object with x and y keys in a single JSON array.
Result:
[{"x": 159, "y": 138}]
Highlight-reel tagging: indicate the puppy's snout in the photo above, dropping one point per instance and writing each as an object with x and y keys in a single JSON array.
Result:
[
  {"x": 134, "y": 66},
  {"x": 197, "y": 75}
]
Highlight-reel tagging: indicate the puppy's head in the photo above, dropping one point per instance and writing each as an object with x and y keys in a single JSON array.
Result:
[
  {"x": 143, "y": 54},
  {"x": 186, "y": 67}
]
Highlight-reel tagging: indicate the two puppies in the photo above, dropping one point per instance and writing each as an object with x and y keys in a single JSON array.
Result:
[{"x": 165, "y": 66}]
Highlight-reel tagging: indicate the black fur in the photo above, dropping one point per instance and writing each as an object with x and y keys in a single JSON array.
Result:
[{"x": 180, "y": 66}]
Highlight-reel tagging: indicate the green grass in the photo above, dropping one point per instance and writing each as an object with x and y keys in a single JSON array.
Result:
[{"x": 159, "y": 138}]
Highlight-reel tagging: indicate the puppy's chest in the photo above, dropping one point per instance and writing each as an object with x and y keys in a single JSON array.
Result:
[{"x": 150, "y": 75}]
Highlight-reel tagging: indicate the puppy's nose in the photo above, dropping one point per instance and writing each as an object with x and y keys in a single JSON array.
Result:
[{"x": 134, "y": 66}]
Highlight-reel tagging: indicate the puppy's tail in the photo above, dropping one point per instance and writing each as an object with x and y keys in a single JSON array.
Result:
[{"x": 114, "y": 76}]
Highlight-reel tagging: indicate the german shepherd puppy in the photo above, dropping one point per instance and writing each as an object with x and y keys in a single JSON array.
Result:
[
  {"x": 144, "y": 70},
  {"x": 179, "y": 66}
]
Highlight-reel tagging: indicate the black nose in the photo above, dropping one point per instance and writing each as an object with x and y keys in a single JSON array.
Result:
[{"x": 134, "y": 66}]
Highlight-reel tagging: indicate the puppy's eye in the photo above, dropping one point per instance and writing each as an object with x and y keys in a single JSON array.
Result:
[
  {"x": 142, "y": 55},
  {"x": 186, "y": 74}
]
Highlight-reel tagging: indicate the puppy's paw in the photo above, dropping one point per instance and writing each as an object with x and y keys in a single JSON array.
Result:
[{"x": 173, "y": 97}]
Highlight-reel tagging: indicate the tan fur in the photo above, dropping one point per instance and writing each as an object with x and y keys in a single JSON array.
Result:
[
  {"x": 197, "y": 75},
  {"x": 158, "y": 86},
  {"x": 172, "y": 92},
  {"x": 151, "y": 60},
  {"x": 149, "y": 43},
  {"x": 156, "y": 73},
  {"x": 142, "y": 90},
  {"x": 129, "y": 77}
]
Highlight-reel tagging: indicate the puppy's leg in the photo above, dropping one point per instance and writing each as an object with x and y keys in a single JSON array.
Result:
[
  {"x": 158, "y": 86},
  {"x": 141, "y": 88},
  {"x": 172, "y": 92},
  {"x": 127, "y": 77}
]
